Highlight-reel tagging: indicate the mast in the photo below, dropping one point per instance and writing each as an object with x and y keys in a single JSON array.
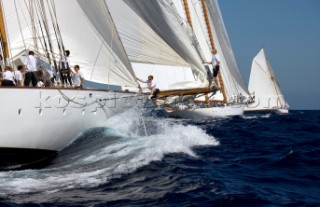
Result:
[
  {"x": 187, "y": 10},
  {"x": 206, "y": 17},
  {"x": 4, "y": 40},
  {"x": 273, "y": 78}
]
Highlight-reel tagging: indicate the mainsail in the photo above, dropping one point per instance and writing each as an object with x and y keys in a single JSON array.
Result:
[
  {"x": 264, "y": 86},
  {"x": 232, "y": 78}
]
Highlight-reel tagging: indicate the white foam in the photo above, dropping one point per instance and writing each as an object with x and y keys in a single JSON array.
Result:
[
  {"x": 123, "y": 156},
  {"x": 265, "y": 116}
]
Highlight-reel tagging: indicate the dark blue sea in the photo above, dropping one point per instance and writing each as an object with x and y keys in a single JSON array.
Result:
[{"x": 259, "y": 159}]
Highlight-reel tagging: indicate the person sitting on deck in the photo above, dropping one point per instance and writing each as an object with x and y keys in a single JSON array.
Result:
[
  {"x": 152, "y": 86},
  {"x": 44, "y": 77},
  {"x": 8, "y": 77},
  {"x": 18, "y": 75}
]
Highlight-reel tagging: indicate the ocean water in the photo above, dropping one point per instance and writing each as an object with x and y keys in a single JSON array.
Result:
[{"x": 259, "y": 159}]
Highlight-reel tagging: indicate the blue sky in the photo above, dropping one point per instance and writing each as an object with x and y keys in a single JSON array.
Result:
[{"x": 289, "y": 31}]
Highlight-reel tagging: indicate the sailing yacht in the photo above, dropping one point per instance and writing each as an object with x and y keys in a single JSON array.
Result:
[
  {"x": 178, "y": 41},
  {"x": 265, "y": 90},
  {"x": 36, "y": 123}
]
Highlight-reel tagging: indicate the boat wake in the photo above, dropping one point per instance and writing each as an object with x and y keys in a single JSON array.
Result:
[
  {"x": 259, "y": 116},
  {"x": 127, "y": 142}
]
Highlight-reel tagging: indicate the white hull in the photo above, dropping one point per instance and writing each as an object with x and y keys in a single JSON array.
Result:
[
  {"x": 276, "y": 110},
  {"x": 212, "y": 112},
  {"x": 50, "y": 119}
]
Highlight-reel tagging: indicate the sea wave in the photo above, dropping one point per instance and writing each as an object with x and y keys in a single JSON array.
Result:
[{"x": 124, "y": 144}]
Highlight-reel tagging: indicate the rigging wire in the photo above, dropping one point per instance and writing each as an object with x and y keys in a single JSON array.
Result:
[
  {"x": 20, "y": 27},
  {"x": 45, "y": 20},
  {"x": 44, "y": 40},
  {"x": 54, "y": 25}
]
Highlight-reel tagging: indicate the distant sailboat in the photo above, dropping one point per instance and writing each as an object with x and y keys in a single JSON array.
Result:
[{"x": 264, "y": 87}]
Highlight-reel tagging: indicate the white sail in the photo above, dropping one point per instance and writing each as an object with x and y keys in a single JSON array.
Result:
[
  {"x": 232, "y": 79},
  {"x": 164, "y": 19},
  {"x": 95, "y": 45},
  {"x": 263, "y": 85},
  {"x": 231, "y": 75},
  {"x": 142, "y": 44},
  {"x": 200, "y": 30},
  {"x": 147, "y": 51},
  {"x": 162, "y": 16},
  {"x": 23, "y": 26},
  {"x": 168, "y": 19}
]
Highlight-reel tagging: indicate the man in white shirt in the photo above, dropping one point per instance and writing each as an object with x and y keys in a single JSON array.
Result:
[
  {"x": 215, "y": 65},
  {"x": 30, "y": 63},
  {"x": 18, "y": 75},
  {"x": 78, "y": 77},
  {"x": 152, "y": 86},
  {"x": 8, "y": 77}
]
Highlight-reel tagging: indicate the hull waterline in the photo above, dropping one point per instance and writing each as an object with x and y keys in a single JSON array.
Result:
[
  {"x": 275, "y": 110},
  {"x": 212, "y": 112}
]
